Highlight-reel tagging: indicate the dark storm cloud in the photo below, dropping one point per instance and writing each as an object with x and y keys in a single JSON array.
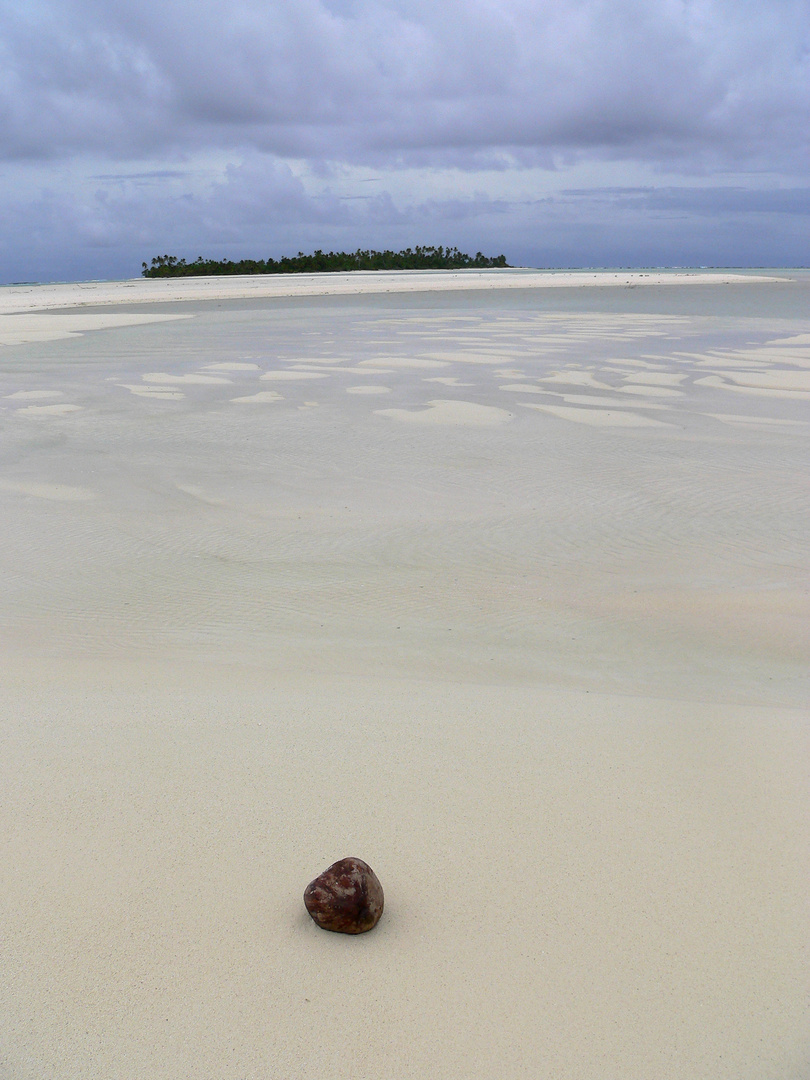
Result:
[{"x": 457, "y": 82}]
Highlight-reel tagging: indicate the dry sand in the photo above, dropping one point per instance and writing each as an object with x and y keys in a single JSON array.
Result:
[
  {"x": 32, "y": 298},
  {"x": 536, "y": 650}
]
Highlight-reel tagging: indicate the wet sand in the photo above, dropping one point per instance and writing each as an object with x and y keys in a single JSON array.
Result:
[{"x": 503, "y": 594}]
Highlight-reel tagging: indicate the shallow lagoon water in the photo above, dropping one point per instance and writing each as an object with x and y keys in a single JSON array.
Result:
[{"x": 599, "y": 487}]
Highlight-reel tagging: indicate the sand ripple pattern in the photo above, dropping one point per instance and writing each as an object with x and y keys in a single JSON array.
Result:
[{"x": 188, "y": 508}]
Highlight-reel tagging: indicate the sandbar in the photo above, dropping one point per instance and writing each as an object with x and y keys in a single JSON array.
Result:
[{"x": 540, "y": 660}]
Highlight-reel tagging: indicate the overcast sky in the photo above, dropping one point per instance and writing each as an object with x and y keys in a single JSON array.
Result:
[{"x": 556, "y": 132}]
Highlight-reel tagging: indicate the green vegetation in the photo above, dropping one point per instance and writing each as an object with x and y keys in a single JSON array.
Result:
[{"x": 418, "y": 258}]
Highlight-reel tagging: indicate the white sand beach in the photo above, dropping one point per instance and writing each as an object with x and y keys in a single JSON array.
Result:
[{"x": 496, "y": 581}]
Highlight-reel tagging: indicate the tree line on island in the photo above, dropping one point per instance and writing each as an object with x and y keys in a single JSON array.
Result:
[{"x": 418, "y": 258}]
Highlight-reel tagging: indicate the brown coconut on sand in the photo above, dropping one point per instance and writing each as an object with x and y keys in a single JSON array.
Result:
[{"x": 347, "y": 897}]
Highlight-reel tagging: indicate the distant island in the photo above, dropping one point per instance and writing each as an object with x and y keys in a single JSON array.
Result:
[{"x": 418, "y": 258}]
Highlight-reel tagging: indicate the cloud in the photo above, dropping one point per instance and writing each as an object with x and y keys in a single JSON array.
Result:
[
  {"x": 263, "y": 207},
  {"x": 711, "y": 201},
  {"x": 561, "y": 132},
  {"x": 259, "y": 207},
  {"x": 711, "y": 81}
]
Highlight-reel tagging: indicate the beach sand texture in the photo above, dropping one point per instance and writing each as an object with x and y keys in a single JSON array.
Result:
[{"x": 501, "y": 588}]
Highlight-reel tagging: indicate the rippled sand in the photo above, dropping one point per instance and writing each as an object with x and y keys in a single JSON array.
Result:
[{"x": 503, "y": 590}]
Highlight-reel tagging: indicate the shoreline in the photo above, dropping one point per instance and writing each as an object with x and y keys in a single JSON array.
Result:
[{"x": 30, "y": 298}]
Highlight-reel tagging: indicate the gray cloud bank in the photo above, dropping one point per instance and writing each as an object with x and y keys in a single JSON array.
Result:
[
  {"x": 262, "y": 208},
  {"x": 237, "y": 129},
  {"x": 715, "y": 80}
]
